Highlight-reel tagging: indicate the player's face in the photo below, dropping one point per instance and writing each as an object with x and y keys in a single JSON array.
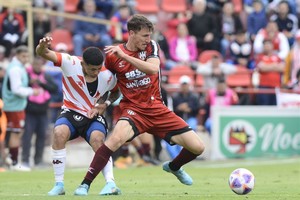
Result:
[
  {"x": 142, "y": 38},
  {"x": 91, "y": 71}
]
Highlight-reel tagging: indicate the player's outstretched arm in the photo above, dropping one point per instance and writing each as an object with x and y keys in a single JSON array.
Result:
[{"x": 43, "y": 50}]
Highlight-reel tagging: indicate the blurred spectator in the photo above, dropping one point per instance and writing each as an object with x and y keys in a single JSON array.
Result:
[
  {"x": 183, "y": 49},
  {"x": 287, "y": 23},
  {"x": 292, "y": 62},
  {"x": 160, "y": 38},
  {"x": 221, "y": 95},
  {"x": 3, "y": 60},
  {"x": 58, "y": 5},
  {"x": 279, "y": 40},
  {"x": 230, "y": 23},
  {"x": 3, "y": 124},
  {"x": 257, "y": 19},
  {"x": 270, "y": 67},
  {"x": 104, "y": 6},
  {"x": 274, "y": 4},
  {"x": 41, "y": 27},
  {"x": 213, "y": 69},
  {"x": 15, "y": 91},
  {"x": 203, "y": 26},
  {"x": 186, "y": 103},
  {"x": 296, "y": 85},
  {"x": 90, "y": 34},
  {"x": 121, "y": 16},
  {"x": 12, "y": 27},
  {"x": 241, "y": 50},
  {"x": 36, "y": 120}
]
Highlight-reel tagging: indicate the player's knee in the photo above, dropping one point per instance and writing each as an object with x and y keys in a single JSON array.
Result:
[
  {"x": 114, "y": 142},
  {"x": 96, "y": 143},
  {"x": 60, "y": 138},
  {"x": 199, "y": 148}
]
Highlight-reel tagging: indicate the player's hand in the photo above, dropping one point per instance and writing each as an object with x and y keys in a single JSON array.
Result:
[
  {"x": 114, "y": 50},
  {"x": 98, "y": 109},
  {"x": 45, "y": 42}
]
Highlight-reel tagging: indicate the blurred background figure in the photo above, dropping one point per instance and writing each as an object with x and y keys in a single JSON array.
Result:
[
  {"x": 3, "y": 60},
  {"x": 287, "y": 22},
  {"x": 90, "y": 34},
  {"x": 36, "y": 121},
  {"x": 256, "y": 19},
  {"x": 12, "y": 26},
  {"x": 213, "y": 69},
  {"x": 121, "y": 16},
  {"x": 186, "y": 103},
  {"x": 229, "y": 24},
  {"x": 41, "y": 27},
  {"x": 292, "y": 62},
  {"x": 3, "y": 124},
  {"x": 221, "y": 95},
  {"x": 183, "y": 47},
  {"x": 240, "y": 50},
  {"x": 15, "y": 91},
  {"x": 270, "y": 67},
  {"x": 272, "y": 33},
  {"x": 204, "y": 27}
]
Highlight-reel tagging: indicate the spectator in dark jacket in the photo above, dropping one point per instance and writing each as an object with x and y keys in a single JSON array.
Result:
[{"x": 186, "y": 104}]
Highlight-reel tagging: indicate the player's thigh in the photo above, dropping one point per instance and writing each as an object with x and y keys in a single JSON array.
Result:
[
  {"x": 122, "y": 132},
  {"x": 190, "y": 141}
]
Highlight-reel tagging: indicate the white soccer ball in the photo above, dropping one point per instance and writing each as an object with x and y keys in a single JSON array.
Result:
[{"x": 241, "y": 181}]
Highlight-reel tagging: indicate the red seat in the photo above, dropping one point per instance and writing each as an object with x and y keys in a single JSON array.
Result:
[
  {"x": 62, "y": 36},
  {"x": 199, "y": 80},
  {"x": 71, "y": 6},
  {"x": 207, "y": 55},
  {"x": 176, "y": 72},
  {"x": 242, "y": 78},
  {"x": 174, "y": 6},
  {"x": 148, "y": 6}
]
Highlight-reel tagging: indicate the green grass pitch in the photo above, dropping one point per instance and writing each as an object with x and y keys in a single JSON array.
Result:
[{"x": 274, "y": 179}]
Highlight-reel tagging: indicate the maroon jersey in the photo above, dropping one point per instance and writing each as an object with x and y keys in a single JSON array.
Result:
[
  {"x": 137, "y": 87},
  {"x": 142, "y": 104}
]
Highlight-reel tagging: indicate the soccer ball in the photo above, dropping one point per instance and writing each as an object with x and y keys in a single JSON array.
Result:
[{"x": 241, "y": 181}]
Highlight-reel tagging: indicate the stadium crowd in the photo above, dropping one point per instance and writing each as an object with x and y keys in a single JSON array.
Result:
[{"x": 211, "y": 52}]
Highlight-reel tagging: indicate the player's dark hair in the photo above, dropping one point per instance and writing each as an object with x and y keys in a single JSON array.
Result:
[
  {"x": 93, "y": 56},
  {"x": 138, "y": 22}
]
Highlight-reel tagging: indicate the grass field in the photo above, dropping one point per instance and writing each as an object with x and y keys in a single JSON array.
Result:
[{"x": 275, "y": 179}]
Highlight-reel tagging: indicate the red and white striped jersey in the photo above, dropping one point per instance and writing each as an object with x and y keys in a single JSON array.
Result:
[{"x": 75, "y": 91}]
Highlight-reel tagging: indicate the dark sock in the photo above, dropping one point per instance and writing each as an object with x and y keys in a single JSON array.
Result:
[
  {"x": 140, "y": 151},
  {"x": 100, "y": 159},
  {"x": 125, "y": 151},
  {"x": 14, "y": 152},
  {"x": 183, "y": 157},
  {"x": 146, "y": 148}
]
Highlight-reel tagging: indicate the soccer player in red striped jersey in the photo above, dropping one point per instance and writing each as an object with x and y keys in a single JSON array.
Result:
[
  {"x": 136, "y": 65},
  {"x": 85, "y": 82}
]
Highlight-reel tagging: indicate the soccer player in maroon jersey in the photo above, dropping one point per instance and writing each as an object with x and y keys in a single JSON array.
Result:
[{"x": 136, "y": 65}]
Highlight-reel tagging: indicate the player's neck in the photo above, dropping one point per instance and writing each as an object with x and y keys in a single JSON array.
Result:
[
  {"x": 89, "y": 79},
  {"x": 129, "y": 46}
]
